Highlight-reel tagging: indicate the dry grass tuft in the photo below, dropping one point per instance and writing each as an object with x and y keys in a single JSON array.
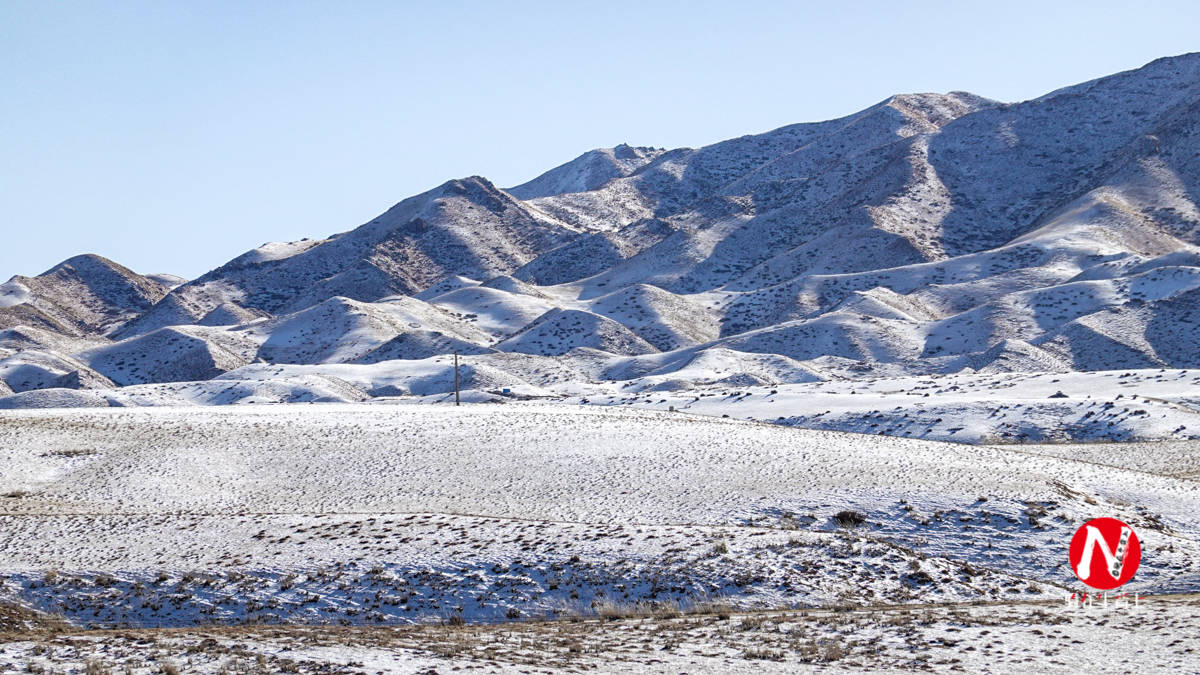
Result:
[{"x": 762, "y": 654}]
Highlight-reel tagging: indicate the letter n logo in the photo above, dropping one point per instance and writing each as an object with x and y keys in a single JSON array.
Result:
[{"x": 1105, "y": 553}]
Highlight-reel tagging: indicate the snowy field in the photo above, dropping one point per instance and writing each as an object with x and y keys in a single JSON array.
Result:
[
  {"x": 1044, "y": 637},
  {"x": 367, "y": 514},
  {"x": 541, "y": 537},
  {"x": 999, "y": 408},
  {"x": 1103, "y": 406}
]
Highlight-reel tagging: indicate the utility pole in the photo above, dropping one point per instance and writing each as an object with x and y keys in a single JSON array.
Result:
[{"x": 456, "y": 378}]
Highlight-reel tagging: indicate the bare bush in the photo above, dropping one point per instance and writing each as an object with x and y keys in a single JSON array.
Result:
[
  {"x": 849, "y": 518},
  {"x": 763, "y": 654}
]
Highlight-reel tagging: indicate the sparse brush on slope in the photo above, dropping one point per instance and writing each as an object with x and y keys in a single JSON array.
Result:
[{"x": 929, "y": 234}]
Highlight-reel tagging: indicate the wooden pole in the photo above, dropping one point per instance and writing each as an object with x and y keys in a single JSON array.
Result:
[{"x": 456, "y": 402}]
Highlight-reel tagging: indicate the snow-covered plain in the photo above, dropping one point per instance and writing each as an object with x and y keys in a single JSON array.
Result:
[
  {"x": 1013, "y": 637},
  {"x": 379, "y": 514},
  {"x": 1106, "y": 407}
]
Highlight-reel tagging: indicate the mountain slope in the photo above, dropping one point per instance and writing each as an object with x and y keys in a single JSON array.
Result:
[
  {"x": 927, "y": 234},
  {"x": 466, "y": 227},
  {"x": 587, "y": 172},
  {"x": 340, "y": 330},
  {"x": 85, "y": 294}
]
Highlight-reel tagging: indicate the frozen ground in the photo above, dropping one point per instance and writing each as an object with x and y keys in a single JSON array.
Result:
[
  {"x": 351, "y": 514},
  {"x": 544, "y": 537},
  {"x": 1043, "y": 637},
  {"x": 1102, "y": 406},
  {"x": 1107, "y": 406}
]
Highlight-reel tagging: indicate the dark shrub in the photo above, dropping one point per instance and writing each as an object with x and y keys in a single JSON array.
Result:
[{"x": 849, "y": 518}]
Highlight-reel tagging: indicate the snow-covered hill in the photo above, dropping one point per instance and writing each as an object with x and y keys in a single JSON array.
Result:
[
  {"x": 928, "y": 235},
  {"x": 86, "y": 294}
]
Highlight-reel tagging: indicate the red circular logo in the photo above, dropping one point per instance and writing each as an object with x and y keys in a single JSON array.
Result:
[{"x": 1105, "y": 553}]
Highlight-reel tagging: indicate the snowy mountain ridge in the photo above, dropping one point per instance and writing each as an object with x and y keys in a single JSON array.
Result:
[{"x": 928, "y": 235}]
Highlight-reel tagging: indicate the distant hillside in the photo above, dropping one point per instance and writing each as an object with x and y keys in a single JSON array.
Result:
[{"x": 928, "y": 234}]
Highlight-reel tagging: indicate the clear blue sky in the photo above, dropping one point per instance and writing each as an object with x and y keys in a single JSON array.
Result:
[{"x": 172, "y": 136}]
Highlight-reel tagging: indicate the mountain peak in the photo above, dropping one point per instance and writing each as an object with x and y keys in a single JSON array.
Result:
[
  {"x": 588, "y": 171},
  {"x": 460, "y": 185},
  {"x": 85, "y": 263},
  {"x": 87, "y": 292},
  {"x": 1170, "y": 76},
  {"x": 929, "y": 112}
]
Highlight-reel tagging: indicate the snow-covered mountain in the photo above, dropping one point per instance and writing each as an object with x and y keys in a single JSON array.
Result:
[{"x": 930, "y": 234}]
